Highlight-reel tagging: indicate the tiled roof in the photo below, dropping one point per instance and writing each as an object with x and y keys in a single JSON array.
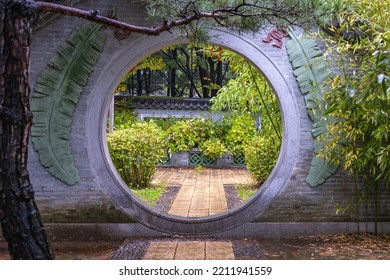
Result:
[{"x": 167, "y": 103}]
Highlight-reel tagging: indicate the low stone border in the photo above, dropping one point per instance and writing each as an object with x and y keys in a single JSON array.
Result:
[{"x": 85, "y": 232}]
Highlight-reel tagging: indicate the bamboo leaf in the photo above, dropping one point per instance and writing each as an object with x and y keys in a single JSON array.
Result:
[
  {"x": 312, "y": 73},
  {"x": 56, "y": 94}
]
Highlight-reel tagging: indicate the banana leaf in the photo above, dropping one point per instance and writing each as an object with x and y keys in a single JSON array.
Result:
[
  {"x": 312, "y": 73},
  {"x": 55, "y": 97}
]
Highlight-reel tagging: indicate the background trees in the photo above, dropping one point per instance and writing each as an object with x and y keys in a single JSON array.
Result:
[{"x": 191, "y": 70}]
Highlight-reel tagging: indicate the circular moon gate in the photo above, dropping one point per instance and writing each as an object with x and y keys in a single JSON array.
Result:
[{"x": 110, "y": 180}]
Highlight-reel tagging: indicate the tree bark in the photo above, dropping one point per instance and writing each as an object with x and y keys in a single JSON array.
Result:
[
  {"x": 173, "y": 74},
  {"x": 204, "y": 77},
  {"x": 20, "y": 219}
]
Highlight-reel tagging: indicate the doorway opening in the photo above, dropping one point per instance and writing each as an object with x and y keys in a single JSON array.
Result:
[
  {"x": 194, "y": 130},
  {"x": 110, "y": 180}
]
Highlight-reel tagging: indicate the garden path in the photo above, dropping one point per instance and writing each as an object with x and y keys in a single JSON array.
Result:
[
  {"x": 189, "y": 250},
  {"x": 202, "y": 191},
  {"x": 201, "y": 194}
]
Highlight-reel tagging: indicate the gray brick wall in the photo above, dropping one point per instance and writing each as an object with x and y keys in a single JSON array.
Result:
[
  {"x": 93, "y": 198},
  {"x": 86, "y": 201}
]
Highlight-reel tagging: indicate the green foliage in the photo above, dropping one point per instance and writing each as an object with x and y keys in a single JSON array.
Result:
[
  {"x": 176, "y": 70},
  {"x": 240, "y": 94},
  {"x": 124, "y": 119},
  {"x": 247, "y": 95},
  {"x": 246, "y": 191},
  {"x": 136, "y": 151},
  {"x": 359, "y": 97},
  {"x": 248, "y": 92},
  {"x": 152, "y": 62},
  {"x": 165, "y": 123},
  {"x": 237, "y": 129},
  {"x": 56, "y": 94},
  {"x": 212, "y": 148},
  {"x": 241, "y": 133},
  {"x": 151, "y": 194},
  {"x": 189, "y": 133},
  {"x": 261, "y": 155},
  {"x": 222, "y": 126},
  {"x": 360, "y": 135},
  {"x": 198, "y": 169}
]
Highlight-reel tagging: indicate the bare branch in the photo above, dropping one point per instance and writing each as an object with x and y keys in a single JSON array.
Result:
[
  {"x": 191, "y": 13},
  {"x": 95, "y": 17}
]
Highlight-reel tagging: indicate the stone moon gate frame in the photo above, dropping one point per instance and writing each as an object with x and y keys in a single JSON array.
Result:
[
  {"x": 101, "y": 203},
  {"x": 107, "y": 83}
]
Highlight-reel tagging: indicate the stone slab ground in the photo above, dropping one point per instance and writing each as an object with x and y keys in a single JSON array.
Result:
[{"x": 320, "y": 247}]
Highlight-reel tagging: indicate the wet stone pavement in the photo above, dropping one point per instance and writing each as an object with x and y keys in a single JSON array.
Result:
[{"x": 322, "y": 247}]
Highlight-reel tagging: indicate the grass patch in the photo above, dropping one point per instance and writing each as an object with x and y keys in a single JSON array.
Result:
[
  {"x": 245, "y": 191},
  {"x": 152, "y": 193}
]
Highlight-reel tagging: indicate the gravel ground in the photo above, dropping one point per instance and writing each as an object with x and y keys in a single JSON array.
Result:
[
  {"x": 131, "y": 249},
  {"x": 164, "y": 202},
  {"x": 232, "y": 197},
  {"x": 320, "y": 247},
  {"x": 134, "y": 249}
]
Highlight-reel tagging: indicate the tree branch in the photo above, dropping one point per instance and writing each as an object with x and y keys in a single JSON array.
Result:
[
  {"x": 183, "y": 18},
  {"x": 113, "y": 23}
]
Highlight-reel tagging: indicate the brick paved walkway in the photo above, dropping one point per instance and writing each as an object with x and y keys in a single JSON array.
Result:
[
  {"x": 189, "y": 250},
  {"x": 202, "y": 192}
]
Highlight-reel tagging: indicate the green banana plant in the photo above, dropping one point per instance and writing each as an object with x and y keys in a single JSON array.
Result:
[
  {"x": 312, "y": 73},
  {"x": 56, "y": 94}
]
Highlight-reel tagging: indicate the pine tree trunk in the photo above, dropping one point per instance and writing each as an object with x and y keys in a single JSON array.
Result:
[{"x": 19, "y": 215}]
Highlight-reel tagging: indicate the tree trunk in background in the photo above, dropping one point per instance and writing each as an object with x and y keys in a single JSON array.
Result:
[
  {"x": 173, "y": 74},
  {"x": 20, "y": 219},
  {"x": 218, "y": 79},
  {"x": 205, "y": 81}
]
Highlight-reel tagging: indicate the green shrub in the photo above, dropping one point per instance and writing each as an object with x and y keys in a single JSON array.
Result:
[
  {"x": 221, "y": 127},
  {"x": 241, "y": 132},
  {"x": 261, "y": 155},
  {"x": 166, "y": 123},
  {"x": 189, "y": 133},
  {"x": 212, "y": 148},
  {"x": 124, "y": 119},
  {"x": 136, "y": 151}
]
